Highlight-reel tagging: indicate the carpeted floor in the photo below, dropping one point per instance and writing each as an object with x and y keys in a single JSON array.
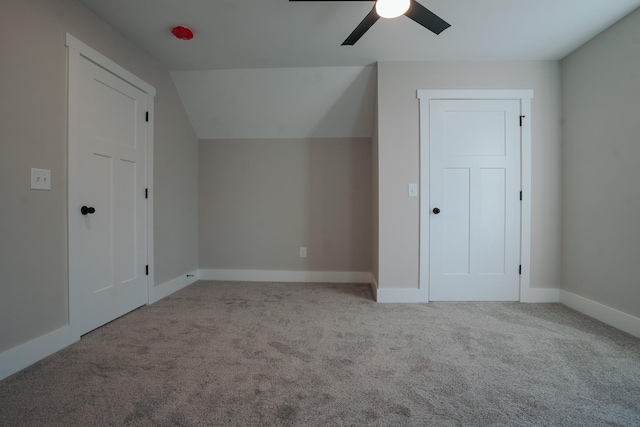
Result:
[{"x": 249, "y": 354}]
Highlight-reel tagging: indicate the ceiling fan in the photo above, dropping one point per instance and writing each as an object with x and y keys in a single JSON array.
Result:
[{"x": 409, "y": 8}]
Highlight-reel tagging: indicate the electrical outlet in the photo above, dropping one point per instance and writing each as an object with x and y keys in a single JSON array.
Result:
[
  {"x": 303, "y": 252},
  {"x": 40, "y": 179}
]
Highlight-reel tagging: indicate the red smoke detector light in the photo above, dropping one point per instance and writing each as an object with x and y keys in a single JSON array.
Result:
[{"x": 182, "y": 32}]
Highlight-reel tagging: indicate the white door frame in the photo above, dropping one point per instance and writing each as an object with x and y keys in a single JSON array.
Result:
[
  {"x": 78, "y": 49},
  {"x": 524, "y": 96}
]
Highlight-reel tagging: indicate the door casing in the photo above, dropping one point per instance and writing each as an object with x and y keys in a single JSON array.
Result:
[
  {"x": 524, "y": 96},
  {"x": 76, "y": 50}
]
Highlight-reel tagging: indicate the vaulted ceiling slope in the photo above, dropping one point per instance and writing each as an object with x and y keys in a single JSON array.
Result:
[
  {"x": 233, "y": 34},
  {"x": 318, "y": 102}
]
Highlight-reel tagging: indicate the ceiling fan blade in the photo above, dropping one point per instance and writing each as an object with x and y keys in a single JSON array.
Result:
[
  {"x": 362, "y": 28},
  {"x": 426, "y": 18}
]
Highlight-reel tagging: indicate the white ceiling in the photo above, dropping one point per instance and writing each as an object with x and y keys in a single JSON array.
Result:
[{"x": 232, "y": 34}]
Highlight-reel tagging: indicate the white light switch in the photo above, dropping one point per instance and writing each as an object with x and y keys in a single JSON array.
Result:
[
  {"x": 303, "y": 252},
  {"x": 40, "y": 179},
  {"x": 413, "y": 190}
]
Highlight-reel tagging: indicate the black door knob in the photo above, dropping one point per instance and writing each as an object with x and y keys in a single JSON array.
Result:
[
  {"x": 436, "y": 211},
  {"x": 85, "y": 210}
]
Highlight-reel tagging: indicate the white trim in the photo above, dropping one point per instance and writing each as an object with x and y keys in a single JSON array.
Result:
[
  {"x": 150, "y": 254},
  {"x": 73, "y": 133},
  {"x": 156, "y": 293},
  {"x": 390, "y": 295},
  {"x": 95, "y": 56},
  {"x": 78, "y": 49},
  {"x": 540, "y": 295},
  {"x": 524, "y": 96},
  {"x": 286, "y": 276},
  {"x": 618, "y": 319},
  {"x": 525, "y": 211},
  {"x": 474, "y": 94},
  {"x": 22, "y": 356}
]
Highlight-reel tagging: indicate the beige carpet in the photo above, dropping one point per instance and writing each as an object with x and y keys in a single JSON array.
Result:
[{"x": 250, "y": 354}]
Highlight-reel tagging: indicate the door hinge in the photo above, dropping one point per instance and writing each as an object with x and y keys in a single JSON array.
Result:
[
  {"x": 146, "y": 118},
  {"x": 147, "y": 269},
  {"x": 146, "y": 194},
  {"x": 521, "y": 196},
  {"x": 520, "y": 269},
  {"x": 521, "y": 117}
]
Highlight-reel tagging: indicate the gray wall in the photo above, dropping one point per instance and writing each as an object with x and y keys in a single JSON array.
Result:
[
  {"x": 33, "y": 121},
  {"x": 398, "y": 154},
  {"x": 601, "y": 168},
  {"x": 261, "y": 200}
]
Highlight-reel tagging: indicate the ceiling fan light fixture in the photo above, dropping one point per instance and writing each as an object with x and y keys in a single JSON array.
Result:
[{"x": 392, "y": 8}]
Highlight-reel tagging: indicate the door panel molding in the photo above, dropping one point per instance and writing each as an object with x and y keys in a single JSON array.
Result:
[
  {"x": 524, "y": 97},
  {"x": 78, "y": 53}
]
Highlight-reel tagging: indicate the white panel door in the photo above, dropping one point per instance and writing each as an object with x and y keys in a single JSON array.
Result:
[
  {"x": 474, "y": 218},
  {"x": 107, "y": 174}
]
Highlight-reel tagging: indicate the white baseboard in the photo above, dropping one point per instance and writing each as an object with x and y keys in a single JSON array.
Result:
[
  {"x": 618, "y": 319},
  {"x": 156, "y": 293},
  {"x": 18, "y": 358},
  {"x": 286, "y": 276},
  {"x": 389, "y": 295},
  {"x": 540, "y": 295}
]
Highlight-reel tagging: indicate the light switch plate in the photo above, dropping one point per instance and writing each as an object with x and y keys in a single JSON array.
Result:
[
  {"x": 413, "y": 190},
  {"x": 40, "y": 179}
]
